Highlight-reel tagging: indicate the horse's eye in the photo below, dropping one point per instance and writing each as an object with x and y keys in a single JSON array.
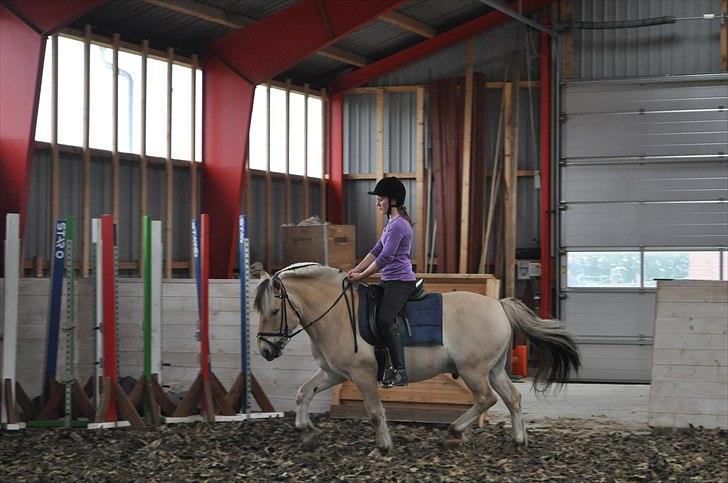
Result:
[{"x": 274, "y": 312}]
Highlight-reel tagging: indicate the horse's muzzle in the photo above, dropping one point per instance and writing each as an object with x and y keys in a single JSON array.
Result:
[{"x": 269, "y": 351}]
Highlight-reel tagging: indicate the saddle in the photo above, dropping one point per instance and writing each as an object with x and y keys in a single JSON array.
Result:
[{"x": 419, "y": 321}]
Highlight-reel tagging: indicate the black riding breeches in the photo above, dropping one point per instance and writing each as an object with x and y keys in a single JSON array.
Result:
[{"x": 394, "y": 297}]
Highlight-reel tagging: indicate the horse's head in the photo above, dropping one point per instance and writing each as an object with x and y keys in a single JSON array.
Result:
[{"x": 279, "y": 316}]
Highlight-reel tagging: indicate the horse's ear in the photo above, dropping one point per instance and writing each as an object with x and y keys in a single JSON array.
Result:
[
  {"x": 276, "y": 285},
  {"x": 264, "y": 275}
]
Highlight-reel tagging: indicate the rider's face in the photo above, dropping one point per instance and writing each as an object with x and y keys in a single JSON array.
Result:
[{"x": 383, "y": 204}]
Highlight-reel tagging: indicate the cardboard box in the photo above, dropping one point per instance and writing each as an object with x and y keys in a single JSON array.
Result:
[{"x": 332, "y": 245}]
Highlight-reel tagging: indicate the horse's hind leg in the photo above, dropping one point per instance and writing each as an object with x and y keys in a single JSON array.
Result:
[
  {"x": 484, "y": 397},
  {"x": 367, "y": 385},
  {"x": 511, "y": 397},
  {"x": 320, "y": 381}
]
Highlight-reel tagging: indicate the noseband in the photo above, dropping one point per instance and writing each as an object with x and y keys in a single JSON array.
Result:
[{"x": 284, "y": 335}]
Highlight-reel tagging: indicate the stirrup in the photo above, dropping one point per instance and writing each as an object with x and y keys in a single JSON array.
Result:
[{"x": 397, "y": 377}]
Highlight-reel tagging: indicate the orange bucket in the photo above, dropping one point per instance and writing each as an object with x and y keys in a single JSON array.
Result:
[{"x": 519, "y": 361}]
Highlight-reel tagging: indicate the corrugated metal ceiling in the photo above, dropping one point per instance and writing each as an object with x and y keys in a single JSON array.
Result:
[{"x": 168, "y": 27}]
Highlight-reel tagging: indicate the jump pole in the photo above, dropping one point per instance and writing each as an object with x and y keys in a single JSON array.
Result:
[
  {"x": 206, "y": 391},
  {"x": 113, "y": 401},
  {"x": 8, "y": 406},
  {"x": 148, "y": 392},
  {"x": 67, "y": 394},
  {"x": 246, "y": 384}
]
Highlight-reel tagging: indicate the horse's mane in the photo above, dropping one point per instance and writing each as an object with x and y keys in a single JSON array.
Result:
[{"x": 295, "y": 270}]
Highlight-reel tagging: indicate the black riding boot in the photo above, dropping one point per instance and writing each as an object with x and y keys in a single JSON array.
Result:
[{"x": 398, "y": 375}]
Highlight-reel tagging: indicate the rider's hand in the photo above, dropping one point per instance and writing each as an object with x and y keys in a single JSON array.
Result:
[{"x": 354, "y": 276}]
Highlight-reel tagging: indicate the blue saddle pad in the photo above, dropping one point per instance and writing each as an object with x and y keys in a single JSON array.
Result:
[{"x": 425, "y": 320}]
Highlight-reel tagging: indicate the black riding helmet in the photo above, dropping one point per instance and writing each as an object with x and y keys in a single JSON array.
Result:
[{"x": 391, "y": 187}]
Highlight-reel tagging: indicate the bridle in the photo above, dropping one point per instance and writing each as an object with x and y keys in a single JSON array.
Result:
[{"x": 284, "y": 335}]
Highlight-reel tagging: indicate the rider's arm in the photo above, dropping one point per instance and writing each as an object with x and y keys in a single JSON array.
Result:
[{"x": 364, "y": 263}]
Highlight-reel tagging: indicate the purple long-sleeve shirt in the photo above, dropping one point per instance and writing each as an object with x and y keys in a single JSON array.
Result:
[{"x": 392, "y": 251}]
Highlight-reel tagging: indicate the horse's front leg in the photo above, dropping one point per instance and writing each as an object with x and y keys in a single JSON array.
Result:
[
  {"x": 320, "y": 381},
  {"x": 366, "y": 382}
]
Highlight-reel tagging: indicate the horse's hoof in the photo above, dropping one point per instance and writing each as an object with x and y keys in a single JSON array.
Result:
[
  {"x": 379, "y": 452},
  {"x": 308, "y": 439},
  {"x": 451, "y": 443}
]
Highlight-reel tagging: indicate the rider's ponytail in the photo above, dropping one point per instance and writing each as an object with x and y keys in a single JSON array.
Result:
[{"x": 403, "y": 213}]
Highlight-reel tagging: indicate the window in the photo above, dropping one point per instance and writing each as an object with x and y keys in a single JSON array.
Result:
[
  {"x": 304, "y": 128},
  {"x": 603, "y": 269},
  {"x": 101, "y": 135},
  {"x": 258, "y": 135},
  {"x": 623, "y": 268},
  {"x": 296, "y": 141},
  {"x": 315, "y": 137}
]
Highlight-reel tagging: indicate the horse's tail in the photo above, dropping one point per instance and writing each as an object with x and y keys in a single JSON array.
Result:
[{"x": 557, "y": 350}]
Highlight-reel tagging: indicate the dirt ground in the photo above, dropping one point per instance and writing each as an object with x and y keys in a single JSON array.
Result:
[{"x": 269, "y": 450}]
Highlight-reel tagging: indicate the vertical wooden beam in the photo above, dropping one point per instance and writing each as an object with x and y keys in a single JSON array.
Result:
[
  {"x": 724, "y": 37},
  {"x": 144, "y": 176},
  {"x": 86, "y": 154},
  {"x": 168, "y": 172},
  {"x": 566, "y": 11},
  {"x": 193, "y": 159},
  {"x": 422, "y": 193},
  {"x": 306, "y": 195},
  {"x": 115, "y": 130},
  {"x": 510, "y": 185},
  {"x": 268, "y": 190},
  {"x": 324, "y": 152},
  {"x": 55, "y": 161},
  {"x": 467, "y": 149},
  {"x": 380, "y": 149},
  {"x": 289, "y": 194}
]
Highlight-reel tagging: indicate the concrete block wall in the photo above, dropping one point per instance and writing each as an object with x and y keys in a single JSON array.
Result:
[
  {"x": 690, "y": 355},
  {"x": 280, "y": 378}
]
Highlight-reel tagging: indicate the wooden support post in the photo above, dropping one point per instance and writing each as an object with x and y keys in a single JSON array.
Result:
[
  {"x": 422, "y": 193},
  {"x": 467, "y": 150},
  {"x": 143, "y": 174},
  {"x": 380, "y": 149},
  {"x": 289, "y": 194},
  {"x": 724, "y": 37},
  {"x": 268, "y": 191},
  {"x": 55, "y": 161},
  {"x": 86, "y": 155},
  {"x": 510, "y": 186},
  {"x": 566, "y": 9},
  {"x": 193, "y": 166},
  {"x": 324, "y": 152},
  {"x": 168, "y": 172},
  {"x": 306, "y": 194},
  {"x": 115, "y": 130}
]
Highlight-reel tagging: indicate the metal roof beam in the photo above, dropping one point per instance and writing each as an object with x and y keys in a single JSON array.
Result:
[
  {"x": 496, "y": 4},
  {"x": 408, "y": 23},
  {"x": 429, "y": 46},
  {"x": 221, "y": 17}
]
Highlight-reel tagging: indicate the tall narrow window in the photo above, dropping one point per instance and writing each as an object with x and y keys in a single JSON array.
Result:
[
  {"x": 130, "y": 102},
  {"x": 315, "y": 137},
  {"x": 70, "y": 92},
  {"x": 296, "y": 131},
  {"x": 277, "y": 130},
  {"x": 258, "y": 135},
  {"x": 181, "y": 112},
  {"x": 157, "y": 108},
  {"x": 43, "y": 125}
]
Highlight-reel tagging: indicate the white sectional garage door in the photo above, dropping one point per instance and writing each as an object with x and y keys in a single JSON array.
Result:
[{"x": 643, "y": 184}]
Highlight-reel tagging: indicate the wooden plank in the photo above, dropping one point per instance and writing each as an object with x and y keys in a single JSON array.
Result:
[
  {"x": 191, "y": 399},
  {"x": 724, "y": 37},
  {"x": 115, "y": 130},
  {"x": 86, "y": 156},
  {"x": 510, "y": 187},
  {"x": 344, "y": 56},
  {"x": 467, "y": 151},
  {"x": 193, "y": 164},
  {"x": 126, "y": 408},
  {"x": 380, "y": 150},
  {"x": 259, "y": 394},
  {"x": 422, "y": 194},
  {"x": 168, "y": 173},
  {"x": 375, "y": 176}
]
